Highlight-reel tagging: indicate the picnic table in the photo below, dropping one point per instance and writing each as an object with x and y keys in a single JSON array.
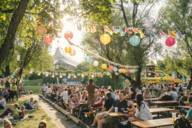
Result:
[
  {"x": 153, "y": 123},
  {"x": 151, "y": 99},
  {"x": 118, "y": 114},
  {"x": 165, "y": 103},
  {"x": 159, "y": 110},
  {"x": 185, "y": 107}
]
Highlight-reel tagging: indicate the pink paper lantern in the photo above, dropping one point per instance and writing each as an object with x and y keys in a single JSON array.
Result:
[
  {"x": 68, "y": 35},
  {"x": 170, "y": 41},
  {"x": 110, "y": 68},
  {"x": 47, "y": 39}
]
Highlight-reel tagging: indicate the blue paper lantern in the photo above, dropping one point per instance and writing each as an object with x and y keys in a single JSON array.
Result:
[{"x": 134, "y": 40}]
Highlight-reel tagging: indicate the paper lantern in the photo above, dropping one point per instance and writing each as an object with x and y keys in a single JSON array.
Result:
[
  {"x": 172, "y": 34},
  {"x": 170, "y": 41},
  {"x": 141, "y": 34},
  {"x": 41, "y": 30},
  {"x": 134, "y": 40},
  {"x": 116, "y": 29},
  {"x": 110, "y": 68},
  {"x": 47, "y": 39},
  {"x": 104, "y": 66},
  {"x": 68, "y": 50},
  {"x": 161, "y": 33},
  {"x": 105, "y": 39},
  {"x": 115, "y": 69},
  {"x": 68, "y": 35},
  {"x": 136, "y": 30},
  {"x": 122, "y": 70},
  {"x": 95, "y": 63},
  {"x": 73, "y": 52}
]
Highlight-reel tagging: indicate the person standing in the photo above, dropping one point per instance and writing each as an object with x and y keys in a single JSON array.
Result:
[
  {"x": 91, "y": 92},
  {"x": 189, "y": 84},
  {"x": 14, "y": 92}
]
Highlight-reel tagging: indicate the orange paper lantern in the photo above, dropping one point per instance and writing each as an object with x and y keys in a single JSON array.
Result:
[{"x": 104, "y": 66}]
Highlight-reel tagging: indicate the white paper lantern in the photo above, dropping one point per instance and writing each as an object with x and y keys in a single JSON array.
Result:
[{"x": 95, "y": 63}]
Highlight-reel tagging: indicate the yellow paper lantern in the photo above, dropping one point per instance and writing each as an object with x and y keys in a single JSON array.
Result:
[
  {"x": 104, "y": 66},
  {"x": 69, "y": 50},
  {"x": 105, "y": 39}
]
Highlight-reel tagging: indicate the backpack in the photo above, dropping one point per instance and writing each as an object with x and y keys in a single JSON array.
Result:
[{"x": 182, "y": 123}]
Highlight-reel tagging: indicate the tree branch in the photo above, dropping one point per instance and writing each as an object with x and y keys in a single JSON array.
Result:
[{"x": 124, "y": 15}]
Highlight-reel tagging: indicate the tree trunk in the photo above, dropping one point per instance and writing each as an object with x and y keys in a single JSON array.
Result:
[
  {"x": 6, "y": 72},
  {"x": 8, "y": 43},
  {"x": 115, "y": 79},
  {"x": 138, "y": 77}
]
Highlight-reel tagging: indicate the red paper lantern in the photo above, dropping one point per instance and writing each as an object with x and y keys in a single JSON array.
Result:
[
  {"x": 47, "y": 39},
  {"x": 68, "y": 35},
  {"x": 170, "y": 41}
]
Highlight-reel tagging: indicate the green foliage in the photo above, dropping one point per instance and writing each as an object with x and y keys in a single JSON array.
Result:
[
  {"x": 180, "y": 65},
  {"x": 29, "y": 43},
  {"x": 178, "y": 16},
  {"x": 98, "y": 11}
]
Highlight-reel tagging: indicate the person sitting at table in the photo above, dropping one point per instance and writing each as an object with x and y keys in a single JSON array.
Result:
[
  {"x": 2, "y": 102},
  {"x": 166, "y": 96},
  {"x": 182, "y": 99},
  {"x": 109, "y": 101},
  {"x": 142, "y": 111},
  {"x": 99, "y": 99},
  {"x": 190, "y": 98},
  {"x": 189, "y": 114},
  {"x": 120, "y": 105},
  {"x": 174, "y": 94},
  {"x": 146, "y": 93}
]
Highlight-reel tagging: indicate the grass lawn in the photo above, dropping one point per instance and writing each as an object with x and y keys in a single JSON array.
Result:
[
  {"x": 33, "y": 85},
  {"x": 38, "y": 115},
  {"x": 33, "y": 122},
  {"x": 35, "y": 89}
]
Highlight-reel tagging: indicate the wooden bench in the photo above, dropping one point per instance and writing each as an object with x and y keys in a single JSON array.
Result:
[{"x": 153, "y": 123}]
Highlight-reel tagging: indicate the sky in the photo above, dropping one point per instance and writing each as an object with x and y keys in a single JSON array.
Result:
[
  {"x": 60, "y": 41},
  {"x": 70, "y": 24}
]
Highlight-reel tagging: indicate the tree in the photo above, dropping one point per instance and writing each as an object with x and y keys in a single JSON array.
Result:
[
  {"x": 125, "y": 14},
  {"x": 37, "y": 14},
  {"x": 8, "y": 44},
  {"x": 177, "y": 16}
]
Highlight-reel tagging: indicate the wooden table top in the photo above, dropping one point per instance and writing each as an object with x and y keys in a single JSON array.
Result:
[
  {"x": 153, "y": 123},
  {"x": 165, "y": 102},
  {"x": 117, "y": 114},
  {"x": 158, "y": 110},
  {"x": 185, "y": 107},
  {"x": 151, "y": 99}
]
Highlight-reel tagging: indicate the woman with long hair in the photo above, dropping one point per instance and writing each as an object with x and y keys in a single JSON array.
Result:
[{"x": 142, "y": 112}]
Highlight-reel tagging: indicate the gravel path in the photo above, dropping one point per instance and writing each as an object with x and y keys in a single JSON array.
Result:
[{"x": 57, "y": 118}]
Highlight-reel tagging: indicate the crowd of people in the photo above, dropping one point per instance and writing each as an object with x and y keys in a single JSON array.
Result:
[
  {"x": 10, "y": 91},
  {"x": 97, "y": 102}
]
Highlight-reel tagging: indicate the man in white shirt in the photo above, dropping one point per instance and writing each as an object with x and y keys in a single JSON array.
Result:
[{"x": 65, "y": 96}]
